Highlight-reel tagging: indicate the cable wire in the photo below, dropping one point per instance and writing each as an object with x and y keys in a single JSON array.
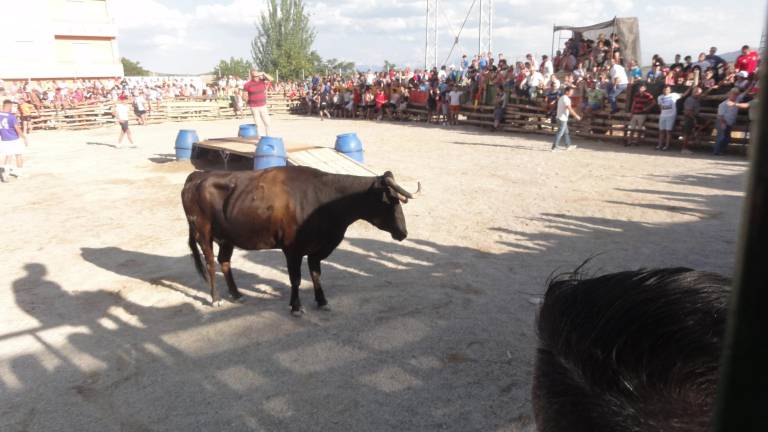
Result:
[{"x": 456, "y": 40}]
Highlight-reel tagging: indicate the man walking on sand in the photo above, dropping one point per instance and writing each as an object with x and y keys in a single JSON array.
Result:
[
  {"x": 11, "y": 136},
  {"x": 564, "y": 110},
  {"x": 122, "y": 108},
  {"x": 256, "y": 96}
]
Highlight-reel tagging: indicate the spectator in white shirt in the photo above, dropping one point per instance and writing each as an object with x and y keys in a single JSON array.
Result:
[
  {"x": 534, "y": 81},
  {"x": 667, "y": 102},
  {"x": 530, "y": 59},
  {"x": 564, "y": 110},
  {"x": 619, "y": 83},
  {"x": 547, "y": 68},
  {"x": 454, "y": 105}
]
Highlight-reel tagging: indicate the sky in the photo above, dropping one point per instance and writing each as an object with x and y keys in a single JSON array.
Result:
[{"x": 191, "y": 36}]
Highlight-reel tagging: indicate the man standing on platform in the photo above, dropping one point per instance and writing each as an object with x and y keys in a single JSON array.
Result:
[
  {"x": 619, "y": 82},
  {"x": 256, "y": 96}
]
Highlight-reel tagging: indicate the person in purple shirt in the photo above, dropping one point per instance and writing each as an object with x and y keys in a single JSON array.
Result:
[{"x": 11, "y": 143}]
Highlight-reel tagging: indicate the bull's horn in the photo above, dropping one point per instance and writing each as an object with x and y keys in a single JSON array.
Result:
[{"x": 391, "y": 182}]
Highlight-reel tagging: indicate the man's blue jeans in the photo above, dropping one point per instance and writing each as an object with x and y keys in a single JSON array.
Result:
[
  {"x": 562, "y": 131},
  {"x": 532, "y": 92},
  {"x": 723, "y": 138},
  {"x": 613, "y": 93}
]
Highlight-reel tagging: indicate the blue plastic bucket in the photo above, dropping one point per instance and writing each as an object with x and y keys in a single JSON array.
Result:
[
  {"x": 269, "y": 153},
  {"x": 350, "y": 145},
  {"x": 248, "y": 131},
  {"x": 185, "y": 140}
]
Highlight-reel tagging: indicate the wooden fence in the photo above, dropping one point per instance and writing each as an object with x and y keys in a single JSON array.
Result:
[
  {"x": 521, "y": 116},
  {"x": 180, "y": 109},
  {"x": 524, "y": 116}
]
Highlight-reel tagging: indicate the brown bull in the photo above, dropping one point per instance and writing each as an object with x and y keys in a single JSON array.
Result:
[{"x": 301, "y": 211}]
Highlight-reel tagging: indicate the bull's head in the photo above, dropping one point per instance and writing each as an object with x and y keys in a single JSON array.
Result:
[{"x": 388, "y": 215}]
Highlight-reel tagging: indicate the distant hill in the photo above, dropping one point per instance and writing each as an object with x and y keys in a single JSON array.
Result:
[{"x": 731, "y": 56}]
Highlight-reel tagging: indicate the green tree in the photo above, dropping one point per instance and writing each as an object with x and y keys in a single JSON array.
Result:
[
  {"x": 333, "y": 66},
  {"x": 388, "y": 65},
  {"x": 132, "y": 68},
  {"x": 284, "y": 39},
  {"x": 234, "y": 66}
]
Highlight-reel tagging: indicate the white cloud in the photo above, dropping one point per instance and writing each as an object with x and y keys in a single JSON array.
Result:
[{"x": 164, "y": 33}]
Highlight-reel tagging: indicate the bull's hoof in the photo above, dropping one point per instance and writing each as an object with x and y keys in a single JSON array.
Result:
[
  {"x": 217, "y": 303},
  {"x": 297, "y": 312},
  {"x": 325, "y": 308}
]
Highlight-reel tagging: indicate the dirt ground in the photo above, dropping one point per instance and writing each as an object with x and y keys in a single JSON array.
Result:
[{"x": 105, "y": 325}]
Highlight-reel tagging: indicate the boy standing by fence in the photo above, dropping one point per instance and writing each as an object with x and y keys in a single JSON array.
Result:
[
  {"x": 564, "y": 110},
  {"x": 454, "y": 100},
  {"x": 642, "y": 103}
]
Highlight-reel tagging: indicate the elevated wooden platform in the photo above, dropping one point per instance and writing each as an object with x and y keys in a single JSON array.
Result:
[
  {"x": 328, "y": 160},
  {"x": 322, "y": 158}
]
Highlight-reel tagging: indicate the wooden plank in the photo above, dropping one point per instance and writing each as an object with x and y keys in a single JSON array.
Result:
[
  {"x": 329, "y": 160},
  {"x": 241, "y": 148}
]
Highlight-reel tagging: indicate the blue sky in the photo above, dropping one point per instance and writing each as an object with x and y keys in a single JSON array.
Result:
[{"x": 191, "y": 36}]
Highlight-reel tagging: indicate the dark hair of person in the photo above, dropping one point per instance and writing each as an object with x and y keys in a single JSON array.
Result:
[{"x": 635, "y": 351}]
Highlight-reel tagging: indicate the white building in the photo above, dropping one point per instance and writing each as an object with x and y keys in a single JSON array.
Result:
[{"x": 62, "y": 39}]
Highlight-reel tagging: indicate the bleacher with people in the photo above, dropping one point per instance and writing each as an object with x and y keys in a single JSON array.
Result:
[
  {"x": 496, "y": 93},
  {"x": 605, "y": 85}
]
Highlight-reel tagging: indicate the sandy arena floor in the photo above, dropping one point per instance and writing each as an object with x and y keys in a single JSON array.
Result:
[{"x": 105, "y": 324}]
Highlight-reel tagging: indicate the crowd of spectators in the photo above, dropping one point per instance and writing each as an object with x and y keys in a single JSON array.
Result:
[
  {"x": 66, "y": 94},
  {"x": 145, "y": 93},
  {"x": 595, "y": 70}
]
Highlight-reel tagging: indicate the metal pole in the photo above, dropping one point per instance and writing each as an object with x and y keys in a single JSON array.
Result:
[
  {"x": 437, "y": 24},
  {"x": 552, "y": 49},
  {"x": 426, "y": 38},
  {"x": 742, "y": 395},
  {"x": 480, "y": 32},
  {"x": 490, "y": 26}
]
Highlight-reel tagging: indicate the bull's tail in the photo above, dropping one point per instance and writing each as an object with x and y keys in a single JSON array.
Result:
[{"x": 196, "y": 253}]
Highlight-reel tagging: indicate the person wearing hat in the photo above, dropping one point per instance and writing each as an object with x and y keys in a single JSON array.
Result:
[
  {"x": 256, "y": 97},
  {"x": 741, "y": 82},
  {"x": 753, "y": 105}
]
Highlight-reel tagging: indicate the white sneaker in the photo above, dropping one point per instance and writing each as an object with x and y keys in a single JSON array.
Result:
[
  {"x": 3, "y": 175},
  {"x": 16, "y": 172},
  {"x": 571, "y": 147}
]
